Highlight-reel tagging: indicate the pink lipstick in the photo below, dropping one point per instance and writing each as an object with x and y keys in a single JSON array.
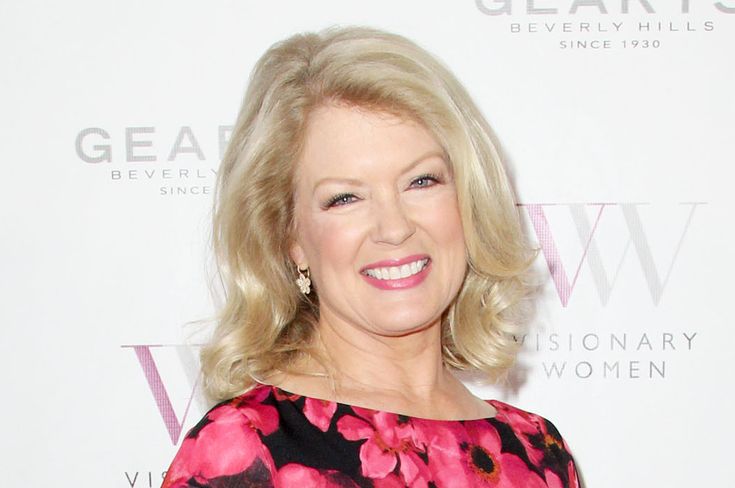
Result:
[{"x": 397, "y": 283}]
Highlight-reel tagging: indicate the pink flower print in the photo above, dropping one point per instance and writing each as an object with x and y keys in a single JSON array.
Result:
[
  {"x": 259, "y": 416},
  {"x": 223, "y": 444},
  {"x": 319, "y": 412},
  {"x": 388, "y": 441},
  {"x": 390, "y": 481},
  {"x": 282, "y": 395},
  {"x": 535, "y": 435},
  {"x": 472, "y": 456},
  {"x": 297, "y": 475},
  {"x": 554, "y": 481},
  {"x": 572, "y": 475}
]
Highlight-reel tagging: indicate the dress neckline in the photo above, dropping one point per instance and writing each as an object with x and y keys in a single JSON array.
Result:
[{"x": 288, "y": 394}]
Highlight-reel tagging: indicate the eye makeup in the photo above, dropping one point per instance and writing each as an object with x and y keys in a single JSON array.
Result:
[{"x": 334, "y": 200}]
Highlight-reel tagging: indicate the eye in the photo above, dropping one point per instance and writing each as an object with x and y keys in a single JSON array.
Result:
[
  {"x": 426, "y": 180},
  {"x": 339, "y": 200}
]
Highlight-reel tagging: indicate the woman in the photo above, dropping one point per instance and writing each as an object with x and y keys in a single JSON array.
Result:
[{"x": 370, "y": 245}]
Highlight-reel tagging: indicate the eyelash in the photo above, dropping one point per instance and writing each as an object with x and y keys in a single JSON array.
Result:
[{"x": 426, "y": 176}]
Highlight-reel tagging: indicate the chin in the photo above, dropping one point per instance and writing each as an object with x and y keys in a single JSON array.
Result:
[{"x": 405, "y": 327}]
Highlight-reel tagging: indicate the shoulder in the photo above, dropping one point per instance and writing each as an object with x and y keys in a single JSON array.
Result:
[
  {"x": 542, "y": 442},
  {"x": 227, "y": 442},
  {"x": 522, "y": 420},
  {"x": 253, "y": 410}
]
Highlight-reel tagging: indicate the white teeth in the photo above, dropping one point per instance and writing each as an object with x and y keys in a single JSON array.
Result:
[{"x": 397, "y": 272}]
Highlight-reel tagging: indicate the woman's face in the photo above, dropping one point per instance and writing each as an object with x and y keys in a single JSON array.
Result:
[{"x": 377, "y": 221}]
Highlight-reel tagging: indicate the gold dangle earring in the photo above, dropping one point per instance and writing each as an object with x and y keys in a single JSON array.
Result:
[{"x": 303, "y": 281}]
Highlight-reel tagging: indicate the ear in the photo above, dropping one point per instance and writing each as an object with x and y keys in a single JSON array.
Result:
[{"x": 297, "y": 254}]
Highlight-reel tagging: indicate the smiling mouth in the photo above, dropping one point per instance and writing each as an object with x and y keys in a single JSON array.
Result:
[{"x": 397, "y": 272}]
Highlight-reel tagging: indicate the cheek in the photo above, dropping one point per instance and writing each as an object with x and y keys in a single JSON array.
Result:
[
  {"x": 333, "y": 244},
  {"x": 440, "y": 216},
  {"x": 444, "y": 224},
  {"x": 451, "y": 221}
]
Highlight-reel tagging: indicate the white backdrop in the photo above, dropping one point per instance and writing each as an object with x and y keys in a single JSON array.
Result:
[{"x": 615, "y": 116}]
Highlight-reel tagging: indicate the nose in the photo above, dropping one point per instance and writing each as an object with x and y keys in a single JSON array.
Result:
[{"x": 392, "y": 223}]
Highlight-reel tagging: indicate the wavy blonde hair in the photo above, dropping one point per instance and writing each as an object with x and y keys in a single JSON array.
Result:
[{"x": 265, "y": 322}]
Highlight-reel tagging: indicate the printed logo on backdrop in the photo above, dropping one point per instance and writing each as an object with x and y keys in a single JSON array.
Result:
[
  {"x": 172, "y": 378},
  {"x": 595, "y": 249},
  {"x": 607, "y": 25},
  {"x": 169, "y": 161}
]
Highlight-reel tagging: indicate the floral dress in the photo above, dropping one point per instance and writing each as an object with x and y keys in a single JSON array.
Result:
[{"x": 269, "y": 437}]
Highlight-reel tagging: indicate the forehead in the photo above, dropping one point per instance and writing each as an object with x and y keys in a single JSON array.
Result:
[{"x": 350, "y": 141}]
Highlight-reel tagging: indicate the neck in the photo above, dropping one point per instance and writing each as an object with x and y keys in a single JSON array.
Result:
[
  {"x": 403, "y": 374},
  {"x": 361, "y": 362}
]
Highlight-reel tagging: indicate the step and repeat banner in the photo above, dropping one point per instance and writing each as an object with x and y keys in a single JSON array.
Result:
[{"x": 616, "y": 119}]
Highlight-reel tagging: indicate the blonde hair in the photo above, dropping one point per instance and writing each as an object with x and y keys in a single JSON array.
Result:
[{"x": 265, "y": 322}]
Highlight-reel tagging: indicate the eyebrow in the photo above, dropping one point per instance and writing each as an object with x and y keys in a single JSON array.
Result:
[{"x": 412, "y": 165}]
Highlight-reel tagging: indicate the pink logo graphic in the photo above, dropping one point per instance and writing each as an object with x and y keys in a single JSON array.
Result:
[
  {"x": 160, "y": 393},
  {"x": 591, "y": 254}
]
